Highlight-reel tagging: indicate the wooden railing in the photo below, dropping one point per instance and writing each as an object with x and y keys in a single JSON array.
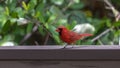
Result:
[
  {"x": 76, "y": 53},
  {"x": 56, "y": 57}
]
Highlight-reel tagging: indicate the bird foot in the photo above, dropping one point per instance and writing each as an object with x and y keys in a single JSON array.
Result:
[{"x": 65, "y": 46}]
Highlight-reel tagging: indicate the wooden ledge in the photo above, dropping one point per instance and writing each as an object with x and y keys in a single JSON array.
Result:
[{"x": 85, "y": 52}]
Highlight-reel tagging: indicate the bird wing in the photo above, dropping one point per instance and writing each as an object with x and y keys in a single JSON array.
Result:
[{"x": 74, "y": 36}]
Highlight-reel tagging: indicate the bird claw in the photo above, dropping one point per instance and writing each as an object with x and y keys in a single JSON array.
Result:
[{"x": 66, "y": 46}]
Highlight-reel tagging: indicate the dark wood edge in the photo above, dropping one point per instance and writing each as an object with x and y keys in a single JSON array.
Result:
[{"x": 83, "y": 53}]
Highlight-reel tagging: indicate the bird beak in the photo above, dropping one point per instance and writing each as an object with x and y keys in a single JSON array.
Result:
[{"x": 57, "y": 30}]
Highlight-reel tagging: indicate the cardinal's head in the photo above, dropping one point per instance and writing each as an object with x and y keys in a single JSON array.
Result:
[{"x": 60, "y": 29}]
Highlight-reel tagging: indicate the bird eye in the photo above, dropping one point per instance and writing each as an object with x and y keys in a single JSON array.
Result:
[{"x": 60, "y": 29}]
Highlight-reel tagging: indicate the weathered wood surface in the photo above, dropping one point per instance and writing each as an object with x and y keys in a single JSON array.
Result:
[
  {"x": 59, "y": 64},
  {"x": 77, "y": 53}
]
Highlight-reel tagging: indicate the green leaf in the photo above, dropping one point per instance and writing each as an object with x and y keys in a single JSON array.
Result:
[
  {"x": 6, "y": 27},
  {"x": 8, "y": 37},
  {"x": 77, "y": 5},
  {"x": 56, "y": 38},
  {"x": 3, "y": 19},
  {"x": 54, "y": 33},
  {"x": 13, "y": 20},
  {"x": 19, "y": 31},
  {"x": 52, "y": 18},
  {"x": 77, "y": 1},
  {"x": 56, "y": 11},
  {"x": 77, "y": 16},
  {"x": 46, "y": 25},
  {"x": 14, "y": 14},
  {"x": 29, "y": 27},
  {"x": 57, "y": 2},
  {"x": 116, "y": 24},
  {"x": 72, "y": 25},
  {"x": 87, "y": 42},
  {"x": 37, "y": 14},
  {"x": 108, "y": 23},
  {"x": 11, "y": 4},
  {"x": 117, "y": 33},
  {"x": 32, "y": 4},
  {"x": 62, "y": 22},
  {"x": 41, "y": 30},
  {"x": 20, "y": 12},
  {"x": 24, "y": 5},
  {"x": 7, "y": 11},
  {"x": 40, "y": 7},
  {"x": 41, "y": 17}
]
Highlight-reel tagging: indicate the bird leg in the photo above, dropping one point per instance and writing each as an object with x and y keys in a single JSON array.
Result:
[
  {"x": 65, "y": 45},
  {"x": 72, "y": 45}
]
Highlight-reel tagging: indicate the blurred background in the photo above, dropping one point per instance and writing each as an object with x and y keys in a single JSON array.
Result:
[{"x": 33, "y": 22}]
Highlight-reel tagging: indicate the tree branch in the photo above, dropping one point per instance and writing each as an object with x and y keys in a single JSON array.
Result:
[
  {"x": 117, "y": 17},
  {"x": 112, "y": 8},
  {"x": 27, "y": 36}
]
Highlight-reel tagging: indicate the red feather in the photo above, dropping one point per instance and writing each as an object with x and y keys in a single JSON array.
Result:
[{"x": 70, "y": 36}]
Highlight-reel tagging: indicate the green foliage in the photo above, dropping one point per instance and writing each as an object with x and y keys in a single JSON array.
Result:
[{"x": 40, "y": 18}]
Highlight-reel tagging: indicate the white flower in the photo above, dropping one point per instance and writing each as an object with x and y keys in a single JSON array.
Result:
[
  {"x": 8, "y": 44},
  {"x": 84, "y": 28},
  {"x": 22, "y": 21}
]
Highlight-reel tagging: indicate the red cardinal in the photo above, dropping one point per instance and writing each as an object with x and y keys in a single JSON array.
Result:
[{"x": 69, "y": 36}]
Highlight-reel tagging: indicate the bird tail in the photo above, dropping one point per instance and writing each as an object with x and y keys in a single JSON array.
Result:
[{"x": 85, "y": 35}]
